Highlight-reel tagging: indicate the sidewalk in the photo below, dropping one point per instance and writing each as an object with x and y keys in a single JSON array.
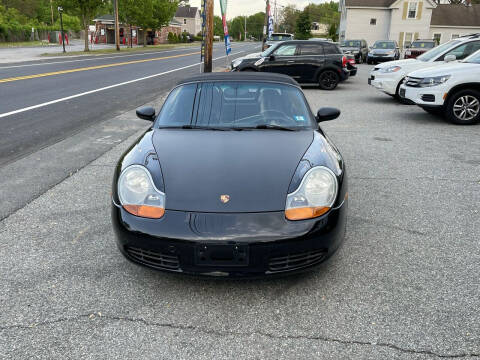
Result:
[{"x": 20, "y": 54}]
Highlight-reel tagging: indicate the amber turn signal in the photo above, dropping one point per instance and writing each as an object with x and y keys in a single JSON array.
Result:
[
  {"x": 305, "y": 212},
  {"x": 145, "y": 211}
]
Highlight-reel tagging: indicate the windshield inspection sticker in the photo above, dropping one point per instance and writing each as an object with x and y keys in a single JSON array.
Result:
[{"x": 299, "y": 118}]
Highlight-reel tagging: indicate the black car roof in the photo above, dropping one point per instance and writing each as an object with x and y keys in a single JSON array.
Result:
[{"x": 240, "y": 76}]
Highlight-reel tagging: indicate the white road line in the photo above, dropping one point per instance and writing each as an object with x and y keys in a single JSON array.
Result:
[
  {"x": 98, "y": 57},
  {"x": 105, "y": 88}
]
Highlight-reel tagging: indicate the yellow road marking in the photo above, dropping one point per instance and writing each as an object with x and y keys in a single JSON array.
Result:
[{"x": 92, "y": 68}]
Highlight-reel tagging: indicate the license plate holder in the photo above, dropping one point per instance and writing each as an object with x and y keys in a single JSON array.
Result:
[{"x": 228, "y": 255}]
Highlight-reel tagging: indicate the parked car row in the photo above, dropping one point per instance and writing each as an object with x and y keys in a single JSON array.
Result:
[{"x": 444, "y": 80}]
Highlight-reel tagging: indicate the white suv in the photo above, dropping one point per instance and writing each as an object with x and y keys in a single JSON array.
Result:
[
  {"x": 388, "y": 76},
  {"x": 450, "y": 89}
]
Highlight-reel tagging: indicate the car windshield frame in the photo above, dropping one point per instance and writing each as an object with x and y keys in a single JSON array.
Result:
[
  {"x": 437, "y": 51},
  {"x": 432, "y": 43},
  {"x": 357, "y": 43},
  {"x": 384, "y": 47},
  {"x": 472, "y": 59},
  {"x": 301, "y": 117}
]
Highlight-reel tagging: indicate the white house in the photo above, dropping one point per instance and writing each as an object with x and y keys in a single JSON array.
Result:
[
  {"x": 406, "y": 20},
  {"x": 189, "y": 18}
]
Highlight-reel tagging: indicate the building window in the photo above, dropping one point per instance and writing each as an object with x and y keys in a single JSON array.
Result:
[
  {"x": 455, "y": 36},
  {"x": 412, "y": 10},
  {"x": 437, "y": 38},
  {"x": 373, "y": 21},
  {"x": 185, "y": 21}
]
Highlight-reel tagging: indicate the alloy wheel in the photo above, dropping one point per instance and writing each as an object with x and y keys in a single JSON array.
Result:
[
  {"x": 466, "y": 108},
  {"x": 328, "y": 80}
]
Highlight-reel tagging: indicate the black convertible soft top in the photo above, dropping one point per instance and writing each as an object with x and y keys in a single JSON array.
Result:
[{"x": 240, "y": 76}]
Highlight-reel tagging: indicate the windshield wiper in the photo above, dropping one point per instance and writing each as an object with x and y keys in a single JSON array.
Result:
[
  {"x": 196, "y": 127},
  {"x": 273, "y": 127}
]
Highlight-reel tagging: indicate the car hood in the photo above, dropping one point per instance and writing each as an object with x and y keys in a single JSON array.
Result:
[
  {"x": 253, "y": 167},
  {"x": 446, "y": 69},
  {"x": 346, "y": 48},
  {"x": 402, "y": 63},
  {"x": 381, "y": 51}
]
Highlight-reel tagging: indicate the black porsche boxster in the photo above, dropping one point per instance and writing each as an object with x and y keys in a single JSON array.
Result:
[{"x": 234, "y": 178}]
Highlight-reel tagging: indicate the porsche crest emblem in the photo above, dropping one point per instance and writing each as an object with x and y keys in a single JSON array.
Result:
[{"x": 224, "y": 198}]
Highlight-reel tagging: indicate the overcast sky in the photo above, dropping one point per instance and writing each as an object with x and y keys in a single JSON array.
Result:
[{"x": 249, "y": 7}]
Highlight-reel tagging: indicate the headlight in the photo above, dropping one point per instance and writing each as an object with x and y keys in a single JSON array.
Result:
[
  {"x": 138, "y": 195},
  {"x": 315, "y": 195},
  {"x": 434, "y": 80},
  {"x": 236, "y": 63},
  {"x": 390, "y": 69},
  {"x": 391, "y": 52}
]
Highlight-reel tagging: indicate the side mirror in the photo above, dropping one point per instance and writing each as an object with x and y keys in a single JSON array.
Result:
[
  {"x": 146, "y": 113},
  {"x": 327, "y": 113},
  {"x": 407, "y": 46},
  {"x": 272, "y": 58},
  {"x": 450, "y": 58}
]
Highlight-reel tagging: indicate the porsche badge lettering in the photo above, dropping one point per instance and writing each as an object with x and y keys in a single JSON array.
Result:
[{"x": 224, "y": 198}]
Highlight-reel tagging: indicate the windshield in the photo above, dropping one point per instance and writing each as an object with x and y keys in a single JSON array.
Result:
[
  {"x": 235, "y": 105},
  {"x": 474, "y": 58},
  {"x": 270, "y": 50},
  {"x": 384, "y": 45},
  {"x": 351, "y": 43},
  {"x": 280, "y": 37},
  {"x": 433, "y": 53},
  {"x": 423, "y": 44}
]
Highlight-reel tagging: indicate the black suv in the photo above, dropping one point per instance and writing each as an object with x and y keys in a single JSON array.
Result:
[
  {"x": 358, "y": 48},
  {"x": 306, "y": 61}
]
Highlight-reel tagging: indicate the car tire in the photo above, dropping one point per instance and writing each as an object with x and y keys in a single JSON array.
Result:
[
  {"x": 463, "y": 107},
  {"x": 247, "y": 69},
  {"x": 437, "y": 111},
  {"x": 328, "y": 80}
]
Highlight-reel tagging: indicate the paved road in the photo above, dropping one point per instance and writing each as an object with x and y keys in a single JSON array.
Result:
[
  {"x": 405, "y": 285},
  {"x": 27, "y": 85}
]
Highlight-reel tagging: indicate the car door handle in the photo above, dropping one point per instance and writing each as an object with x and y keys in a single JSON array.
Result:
[{"x": 290, "y": 61}]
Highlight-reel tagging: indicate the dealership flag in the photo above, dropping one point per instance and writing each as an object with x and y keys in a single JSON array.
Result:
[{"x": 223, "y": 7}]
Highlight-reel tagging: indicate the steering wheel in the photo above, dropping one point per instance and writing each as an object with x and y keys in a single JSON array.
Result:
[{"x": 276, "y": 115}]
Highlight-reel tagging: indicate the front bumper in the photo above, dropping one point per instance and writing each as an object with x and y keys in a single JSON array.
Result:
[
  {"x": 234, "y": 245},
  {"x": 386, "y": 82},
  {"x": 427, "y": 96},
  {"x": 375, "y": 58}
]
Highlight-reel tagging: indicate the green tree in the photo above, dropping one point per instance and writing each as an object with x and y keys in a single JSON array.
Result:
[
  {"x": 302, "y": 29},
  {"x": 217, "y": 26},
  {"x": 128, "y": 12},
  {"x": 153, "y": 14},
  {"x": 85, "y": 9},
  {"x": 289, "y": 17}
]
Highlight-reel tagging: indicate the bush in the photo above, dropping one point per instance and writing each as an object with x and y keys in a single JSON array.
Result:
[{"x": 170, "y": 37}]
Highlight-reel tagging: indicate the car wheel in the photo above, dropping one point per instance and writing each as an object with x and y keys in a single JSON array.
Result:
[
  {"x": 328, "y": 80},
  {"x": 247, "y": 69},
  {"x": 463, "y": 107}
]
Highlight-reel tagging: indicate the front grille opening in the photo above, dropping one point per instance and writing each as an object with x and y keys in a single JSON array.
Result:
[
  {"x": 296, "y": 261},
  {"x": 428, "y": 98},
  {"x": 154, "y": 259}
]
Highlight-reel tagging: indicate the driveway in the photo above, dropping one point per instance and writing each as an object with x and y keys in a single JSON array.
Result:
[{"x": 405, "y": 284}]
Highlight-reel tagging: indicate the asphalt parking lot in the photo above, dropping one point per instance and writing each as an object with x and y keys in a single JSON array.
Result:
[{"x": 405, "y": 284}]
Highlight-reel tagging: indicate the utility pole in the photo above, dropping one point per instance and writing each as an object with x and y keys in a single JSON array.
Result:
[
  {"x": 51, "y": 9},
  {"x": 117, "y": 35},
  {"x": 265, "y": 26},
  {"x": 207, "y": 65},
  {"x": 245, "y": 28},
  {"x": 60, "y": 10}
]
